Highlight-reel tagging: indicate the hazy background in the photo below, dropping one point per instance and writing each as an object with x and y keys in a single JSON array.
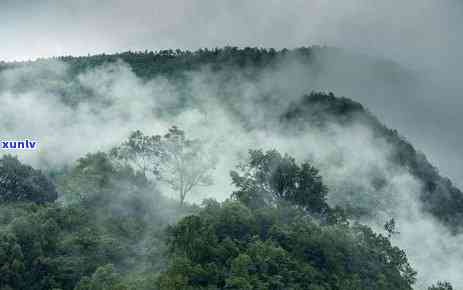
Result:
[{"x": 423, "y": 35}]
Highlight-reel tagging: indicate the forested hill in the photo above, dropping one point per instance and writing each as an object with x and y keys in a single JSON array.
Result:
[
  {"x": 304, "y": 189},
  {"x": 440, "y": 197},
  {"x": 172, "y": 63}
]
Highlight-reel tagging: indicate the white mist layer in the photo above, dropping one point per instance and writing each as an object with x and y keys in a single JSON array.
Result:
[{"x": 349, "y": 158}]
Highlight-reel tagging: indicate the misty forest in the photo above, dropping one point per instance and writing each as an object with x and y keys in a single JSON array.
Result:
[{"x": 230, "y": 168}]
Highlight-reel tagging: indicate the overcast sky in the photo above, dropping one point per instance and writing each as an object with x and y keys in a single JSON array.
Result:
[
  {"x": 397, "y": 29},
  {"x": 421, "y": 34}
]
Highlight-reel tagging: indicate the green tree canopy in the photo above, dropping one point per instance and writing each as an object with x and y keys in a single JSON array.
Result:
[
  {"x": 20, "y": 182},
  {"x": 268, "y": 177},
  {"x": 237, "y": 245}
]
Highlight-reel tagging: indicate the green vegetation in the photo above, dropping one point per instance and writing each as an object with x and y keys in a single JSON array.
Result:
[
  {"x": 440, "y": 197},
  {"x": 102, "y": 222},
  {"x": 173, "y": 158},
  {"x": 20, "y": 182},
  {"x": 108, "y": 222},
  {"x": 268, "y": 178},
  {"x": 277, "y": 243},
  {"x": 277, "y": 232},
  {"x": 441, "y": 286}
]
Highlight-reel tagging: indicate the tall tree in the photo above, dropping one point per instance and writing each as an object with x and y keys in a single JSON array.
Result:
[
  {"x": 185, "y": 163},
  {"x": 268, "y": 177},
  {"x": 174, "y": 159},
  {"x": 390, "y": 227},
  {"x": 141, "y": 152}
]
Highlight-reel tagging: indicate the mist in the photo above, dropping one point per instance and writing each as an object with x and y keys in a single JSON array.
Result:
[
  {"x": 118, "y": 102},
  {"x": 422, "y": 37}
]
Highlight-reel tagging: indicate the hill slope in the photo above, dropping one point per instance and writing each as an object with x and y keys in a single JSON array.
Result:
[{"x": 235, "y": 100}]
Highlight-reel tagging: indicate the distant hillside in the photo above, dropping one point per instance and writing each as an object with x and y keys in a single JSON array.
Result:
[
  {"x": 172, "y": 63},
  {"x": 440, "y": 197},
  {"x": 323, "y": 200}
]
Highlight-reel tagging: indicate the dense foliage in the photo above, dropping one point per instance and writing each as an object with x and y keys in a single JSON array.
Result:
[
  {"x": 19, "y": 182},
  {"x": 108, "y": 224},
  {"x": 107, "y": 233},
  {"x": 439, "y": 195},
  {"x": 269, "y": 177},
  {"x": 103, "y": 224},
  {"x": 279, "y": 245},
  {"x": 230, "y": 246}
]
